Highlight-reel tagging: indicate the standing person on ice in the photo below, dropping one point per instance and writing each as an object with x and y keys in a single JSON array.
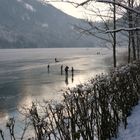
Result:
[
  {"x": 72, "y": 73},
  {"x": 61, "y": 69},
  {"x": 66, "y": 74},
  {"x": 66, "y": 70}
]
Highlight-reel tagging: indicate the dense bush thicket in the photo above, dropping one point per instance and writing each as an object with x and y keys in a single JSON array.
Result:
[{"x": 89, "y": 111}]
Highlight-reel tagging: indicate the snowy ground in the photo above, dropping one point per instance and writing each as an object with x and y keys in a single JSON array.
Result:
[{"x": 132, "y": 131}]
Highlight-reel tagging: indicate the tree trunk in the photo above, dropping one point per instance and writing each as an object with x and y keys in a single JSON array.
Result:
[
  {"x": 131, "y": 25},
  {"x": 114, "y": 35},
  {"x": 129, "y": 48}
]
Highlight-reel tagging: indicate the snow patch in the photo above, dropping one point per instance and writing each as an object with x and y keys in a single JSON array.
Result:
[
  {"x": 44, "y": 25},
  {"x": 25, "y": 17},
  {"x": 132, "y": 131},
  {"x": 29, "y": 7},
  {"x": 19, "y": 0}
]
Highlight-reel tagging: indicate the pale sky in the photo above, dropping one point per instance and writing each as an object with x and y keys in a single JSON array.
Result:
[
  {"x": 79, "y": 12},
  {"x": 69, "y": 9}
]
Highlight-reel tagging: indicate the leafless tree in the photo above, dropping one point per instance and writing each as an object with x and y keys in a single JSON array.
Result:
[{"x": 130, "y": 8}]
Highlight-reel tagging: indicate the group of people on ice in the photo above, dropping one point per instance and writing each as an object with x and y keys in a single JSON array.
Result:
[{"x": 66, "y": 69}]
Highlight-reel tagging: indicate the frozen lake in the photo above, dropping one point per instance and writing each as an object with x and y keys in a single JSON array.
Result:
[{"x": 24, "y": 76}]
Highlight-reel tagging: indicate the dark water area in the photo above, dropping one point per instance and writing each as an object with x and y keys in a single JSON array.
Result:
[{"x": 24, "y": 75}]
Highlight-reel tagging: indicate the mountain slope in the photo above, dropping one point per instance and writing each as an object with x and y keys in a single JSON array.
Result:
[{"x": 30, "y": 23}]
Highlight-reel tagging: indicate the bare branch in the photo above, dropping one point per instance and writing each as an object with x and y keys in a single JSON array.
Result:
[
  {"x": 2, "y": 134},
  {"x": 24, "y": 129},
  {"x": 120, "y": 4},
  {"x": 89, "y": 32},
  {"x": 85, "y": 2},
  {"x": 123, "y": 29}
]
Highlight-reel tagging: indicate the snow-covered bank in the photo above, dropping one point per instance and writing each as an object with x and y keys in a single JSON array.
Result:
[{"x": 132, "y": 132}]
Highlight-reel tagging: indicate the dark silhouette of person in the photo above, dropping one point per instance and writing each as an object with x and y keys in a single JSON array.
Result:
[
  {"x": 72, "y": 70},
  {"x": 48, "y": 68},
  {"x": 56, "y": 60},
  {"x": 72, "y": 74},
  {"x": 66, "y": 70},
  {"x": 66, "y": 74},
  {"x": 61, "y": 69}
]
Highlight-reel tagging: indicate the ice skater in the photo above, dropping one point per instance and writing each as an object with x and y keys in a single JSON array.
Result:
[
  {"x": 56, "y": 60},
  {"x": 48, "y": 68},
  {"x": 66, "y": 74},
  {"x": 72, "y": 71},
  {"x": 72, "y": 74},
  {"x": 61, "y": 69},
  {"x": 66, "y": 70}
]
